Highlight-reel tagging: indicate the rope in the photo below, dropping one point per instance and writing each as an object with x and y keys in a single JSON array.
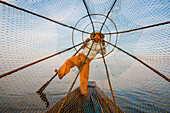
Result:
[
  {"x": 89, "y": 15},
  {"x": 154, "y": 25},
  {"x": 156, "y": 71},
  {"x": 105, "y": 102},
  {"x": 114, "y": 101},
  {"x": 99, "y": 104},
  {"x": 15, "y": 70},
  {"x": 75, "y": 80},
  {"x": 91, "y": 97},
  {"x": 42, "y": 16},
  {"x": 107, "y": 15}
]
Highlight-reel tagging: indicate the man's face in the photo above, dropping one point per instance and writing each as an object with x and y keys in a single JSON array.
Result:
[{"x": 96, "y": 38}]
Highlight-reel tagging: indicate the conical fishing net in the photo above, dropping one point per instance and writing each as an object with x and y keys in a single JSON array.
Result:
[{"x": 137, "y": 57}]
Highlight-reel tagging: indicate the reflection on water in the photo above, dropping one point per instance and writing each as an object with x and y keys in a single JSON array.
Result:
[
  {"x": 145, "y": 102},
  {"x": 135, "y": 101},
  {"x": 31, "y": 103},
  {"x": 134, "y": 92}
]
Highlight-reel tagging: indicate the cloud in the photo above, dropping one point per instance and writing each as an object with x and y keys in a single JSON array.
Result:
[
  {"x": 144, "y": 13},
  {"x": 99, "y": 1}
]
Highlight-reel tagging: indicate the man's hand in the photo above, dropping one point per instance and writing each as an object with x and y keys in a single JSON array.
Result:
[
  {"x": 87, "y": 39},
  {"x": 102, "y": 41},
  {"x": 56, "y": 70}
]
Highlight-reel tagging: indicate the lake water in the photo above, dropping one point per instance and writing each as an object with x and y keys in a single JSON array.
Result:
[
  {"x": 136, "y": 89},
  {"x": 131, "y": 100}
]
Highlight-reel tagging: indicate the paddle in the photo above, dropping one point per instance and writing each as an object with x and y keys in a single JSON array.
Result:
[{"x": 48, "y": 82}]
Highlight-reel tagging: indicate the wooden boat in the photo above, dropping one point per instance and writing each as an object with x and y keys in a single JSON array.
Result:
[{"x": 96, "y": 102}]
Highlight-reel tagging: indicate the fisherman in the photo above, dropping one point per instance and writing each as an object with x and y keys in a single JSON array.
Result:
[{"x": 78, "y": 60}]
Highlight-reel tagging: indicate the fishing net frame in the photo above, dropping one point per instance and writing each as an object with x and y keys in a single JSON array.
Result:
[{"x": 166, "y": 23}]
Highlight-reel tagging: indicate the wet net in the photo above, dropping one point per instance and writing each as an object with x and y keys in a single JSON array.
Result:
[{"x": 136, "y": 30}]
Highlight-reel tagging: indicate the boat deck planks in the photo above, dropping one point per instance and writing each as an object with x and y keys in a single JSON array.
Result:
[{"x": 77, "y": 103}]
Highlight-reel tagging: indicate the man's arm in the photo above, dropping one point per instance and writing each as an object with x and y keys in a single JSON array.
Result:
[
  {"x": 103, "y": 50},
  {"x": 103, "y": 47},
  {"x": 86, "y": 41},
  {"x": 83, "y": 46}
]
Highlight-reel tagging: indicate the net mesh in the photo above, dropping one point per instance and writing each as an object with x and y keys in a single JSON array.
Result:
[{"x": 26, "y": 38}]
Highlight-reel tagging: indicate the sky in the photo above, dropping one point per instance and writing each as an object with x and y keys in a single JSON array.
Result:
[{"x": 31, "y": 38}]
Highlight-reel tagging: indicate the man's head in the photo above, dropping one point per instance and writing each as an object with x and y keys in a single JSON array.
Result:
[{"x": 97, "y": 36}]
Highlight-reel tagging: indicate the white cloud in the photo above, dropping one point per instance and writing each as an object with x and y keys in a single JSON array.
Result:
[
  {"x": 99, "y": 1},
  {"x": 144, "y": 13}
]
